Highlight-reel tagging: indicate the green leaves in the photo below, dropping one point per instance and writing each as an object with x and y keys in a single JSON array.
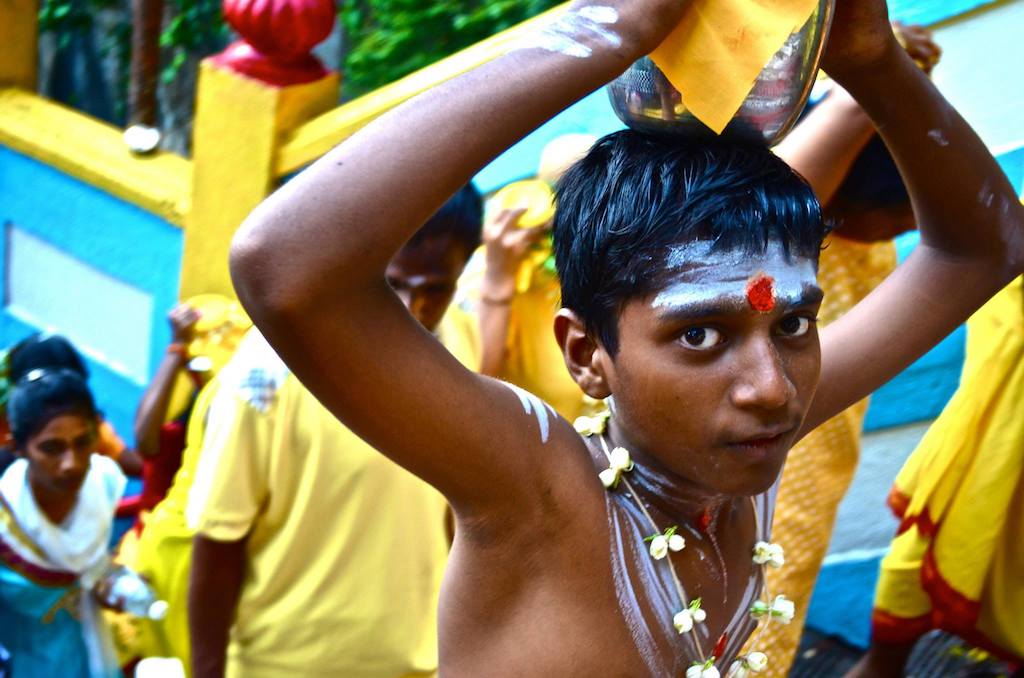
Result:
[
  {"x": 389, "y": 39},
  {"x": 196, "y": 28}
]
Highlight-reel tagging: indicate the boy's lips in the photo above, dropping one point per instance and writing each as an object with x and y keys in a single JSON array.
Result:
[{"x": 763, "y": 439}]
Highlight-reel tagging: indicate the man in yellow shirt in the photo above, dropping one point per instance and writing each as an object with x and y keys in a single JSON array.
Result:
[{"x": 314, "y": 554}]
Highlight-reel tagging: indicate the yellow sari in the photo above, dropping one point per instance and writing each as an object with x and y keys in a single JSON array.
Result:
[{"x": 958, "y": 561}]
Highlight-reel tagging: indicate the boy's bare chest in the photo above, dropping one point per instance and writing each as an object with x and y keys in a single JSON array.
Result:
[{"x": 593, "y": 602}]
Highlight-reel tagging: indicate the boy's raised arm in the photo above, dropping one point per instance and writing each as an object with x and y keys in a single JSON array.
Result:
[
  {"x": 971, "y": 223},
  {"x": 309, "y": 262}
]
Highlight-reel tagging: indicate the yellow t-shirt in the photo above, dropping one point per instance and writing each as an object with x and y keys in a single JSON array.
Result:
[
  {"x": 535, "y": 360},
  {"x": 346, "y": 550}
]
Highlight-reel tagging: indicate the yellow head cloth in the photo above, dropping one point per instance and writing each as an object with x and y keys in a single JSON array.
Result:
[{"x": 716, "y": 53}]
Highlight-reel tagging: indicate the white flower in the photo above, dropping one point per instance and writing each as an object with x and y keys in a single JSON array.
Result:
[
  {"x": 756, "y": 661},
  {"x": 683, "y": 621},
  {"x": 703, "y": 671},
  {"x": 609, "y": 477},
  {"x": 659, "y": 547},
  {"x": 661, "y": 544},
  {"x": 590, "y": 426},
  {"x": 676, "y": 543},
  {"x": 783, "y": 609},
  {"x": 619, "y": 463},
  {"x": 769, "y": 554},
  {"x": 620, "y": 460}
]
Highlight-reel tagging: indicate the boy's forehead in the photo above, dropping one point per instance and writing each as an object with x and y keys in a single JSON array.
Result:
[
  {"x": 704, "y": 256},
  {"x": 696, "y": 274}
]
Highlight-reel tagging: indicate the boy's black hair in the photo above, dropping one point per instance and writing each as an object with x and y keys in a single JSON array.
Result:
[
  {"x": 41, "y": 396},
  {"x": 461, "y": 218},
  {"x": 44, "y": 352},
  {"x": 633, "y": 196}
]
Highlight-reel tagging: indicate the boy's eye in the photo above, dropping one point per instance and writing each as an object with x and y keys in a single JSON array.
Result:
[
  {"x": 701, "y": 338},
  {"x": 795, "y": 326}
]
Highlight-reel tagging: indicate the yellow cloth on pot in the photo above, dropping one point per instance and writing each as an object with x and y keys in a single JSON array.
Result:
[{"x": 720, "y": 47}]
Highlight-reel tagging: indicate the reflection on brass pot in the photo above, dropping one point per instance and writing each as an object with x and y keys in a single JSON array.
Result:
[{"x": 644, "y": 99}]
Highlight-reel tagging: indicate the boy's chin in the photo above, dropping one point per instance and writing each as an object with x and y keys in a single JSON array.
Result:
[{"x": 749, "y": 481}]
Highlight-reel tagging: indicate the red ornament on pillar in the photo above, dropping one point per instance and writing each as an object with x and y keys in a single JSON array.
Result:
[{"x": 277, "y": 38}]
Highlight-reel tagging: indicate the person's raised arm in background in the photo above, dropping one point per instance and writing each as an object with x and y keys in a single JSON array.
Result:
[
  {"x": 971, "y": 223},
  {"x": 152, "y": 411}
]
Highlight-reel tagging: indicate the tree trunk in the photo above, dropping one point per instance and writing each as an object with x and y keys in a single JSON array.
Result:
[{"x": 147, "y": 16}]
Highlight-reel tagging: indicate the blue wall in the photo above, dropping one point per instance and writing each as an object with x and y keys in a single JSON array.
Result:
[
  {"x": 117, "y": 238},
  {"x": 932, "y": 11}
]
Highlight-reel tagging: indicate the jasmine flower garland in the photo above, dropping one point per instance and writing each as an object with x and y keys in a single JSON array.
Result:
[{"x": 764, "y": 554}]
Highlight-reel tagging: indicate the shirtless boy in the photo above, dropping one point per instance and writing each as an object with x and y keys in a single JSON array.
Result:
[{"x": 689, "y": 294}]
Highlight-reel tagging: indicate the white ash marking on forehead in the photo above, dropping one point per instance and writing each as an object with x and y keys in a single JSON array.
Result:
[{"x": 705, "y": 275}]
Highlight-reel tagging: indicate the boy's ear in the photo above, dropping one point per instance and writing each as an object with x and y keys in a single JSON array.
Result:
[{"x": 584, "y": 356}]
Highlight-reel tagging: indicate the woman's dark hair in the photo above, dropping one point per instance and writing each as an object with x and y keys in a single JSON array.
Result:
[
  {"x": 44, "y": 352},
  {"x": 633, "y": 196},
  {"x": 41, "y": 396}
]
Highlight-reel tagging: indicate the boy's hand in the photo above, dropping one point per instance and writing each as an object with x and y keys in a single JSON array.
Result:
[{"x": 861, "y": 37}]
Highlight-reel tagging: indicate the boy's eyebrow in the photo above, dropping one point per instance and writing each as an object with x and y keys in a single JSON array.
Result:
[
  {"x": 810, "y": 294},
  {"x": 730, "y": 304}
]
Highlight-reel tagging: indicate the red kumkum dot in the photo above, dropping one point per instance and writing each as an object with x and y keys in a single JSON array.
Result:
[{"x": 761, "y": 293}]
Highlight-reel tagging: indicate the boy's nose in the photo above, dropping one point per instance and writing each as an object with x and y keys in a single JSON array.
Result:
[{"x": 763, "y": 382}]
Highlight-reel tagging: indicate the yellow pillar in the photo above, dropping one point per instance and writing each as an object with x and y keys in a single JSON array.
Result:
[
  {"x": 238, "y": 127},
  {"x": 18, "y": 39}
]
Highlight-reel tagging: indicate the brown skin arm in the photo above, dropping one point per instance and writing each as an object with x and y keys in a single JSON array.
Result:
[
  {"x": 824, "y": 146},
  {"x": 971, "y": 223},
  {"x": 152, "y": 411},
  {"x": 309, "y": 265},
  {"x": 213, "y": 590},
  {"x": 506, "y": 245},
  {"x": 130, "y": 462}
]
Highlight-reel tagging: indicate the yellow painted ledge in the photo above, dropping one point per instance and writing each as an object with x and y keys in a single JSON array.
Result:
[
  {"x": 321, "y": 134},
  {"x": 94, "y": 152}
]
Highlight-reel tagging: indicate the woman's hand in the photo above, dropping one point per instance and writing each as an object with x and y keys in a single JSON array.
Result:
[
  {"x": 507, "y": 245},
  {"x": 102, "y": 593}
]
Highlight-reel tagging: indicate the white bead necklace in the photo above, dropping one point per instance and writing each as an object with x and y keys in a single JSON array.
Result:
[{"x": 663, "y": 541}]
